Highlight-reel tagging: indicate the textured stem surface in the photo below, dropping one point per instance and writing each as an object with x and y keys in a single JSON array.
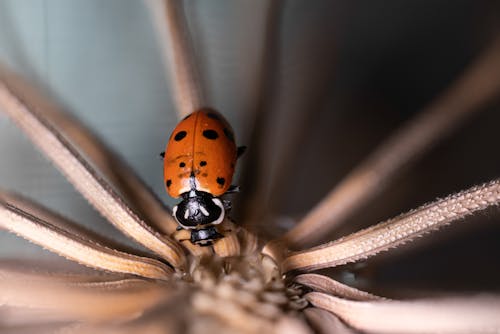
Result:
[
  {"x": 85, "y": 179},
  {"x": 399, "y": 230},
  {"x": 325, "y": 322},
  {"x": 95, "y": 301},
  {"x": 321, "y": 283},
  {"x": 478, "y": 314},
  {"x": 60, "y": 240},
  {"x": 108, "y": 162},
  {"x": 478, "y": 85}
]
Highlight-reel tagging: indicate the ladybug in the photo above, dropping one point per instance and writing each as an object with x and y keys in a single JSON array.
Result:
[{"x": 199, "y": 163}]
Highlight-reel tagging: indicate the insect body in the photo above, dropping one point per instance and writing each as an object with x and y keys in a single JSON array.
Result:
[{"x": 199, "y": 164}]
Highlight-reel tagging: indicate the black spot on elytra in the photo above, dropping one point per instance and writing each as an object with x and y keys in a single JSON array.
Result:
[
  {"x": 180, "y": 135},
  {"x": 210, "y": 134},
  {"x": 169, "y": 183},
  {"x": 182, "y": 164},
  {"x": 213, "y": 115},
  {"x": 221, "y": 181},
  {"x": 229, "y": 134},
  {"x": 203, "y": 163}
]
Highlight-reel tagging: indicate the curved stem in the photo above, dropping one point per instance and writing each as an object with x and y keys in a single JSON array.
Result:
[
  {"x": 397, "y": 231},
  {"x": 178, "y": 54},
  {"x": 450, "y": 315},
  {"x": 321, "y": 283},
  {"x": 94, "y": 301},
  {"x": 76, "y": 247},
  {"x": 108, "y": 162},
  {"x": 325, "y": 322},
  {"x": 86, "y": 179},
  {"x": 479, "y": 84}
]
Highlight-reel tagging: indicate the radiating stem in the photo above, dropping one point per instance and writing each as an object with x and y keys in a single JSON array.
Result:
[
  {"x": 94, "y": 301},
  {"x": 108, "y": 162},
  {"x": 478, "y": 85},
  {"x": 325, "y": 322},
  {"x": 178, "y": 54},
  {"x": 397, "y": 231},
  {"x": 451, "y": 315},
  {"x": 73, "y": 246},
  {"x": 85, "y": 179},
  {"x": 321, "y": 283}
]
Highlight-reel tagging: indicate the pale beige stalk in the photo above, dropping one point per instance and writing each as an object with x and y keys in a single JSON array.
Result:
[
  {"x": 321, "y": 283},
  {"x": 397, "y": 231},
  {"x": 45, "y": 271},
  {"x": 478, "y": 85},
  {"x": 325, "y": 322},
  {"x": 30, "y": 320},
  {"x": 475, "y": 314},
  {"x": 85, "y": 179},
  {"x": 108, "y": 162},
  {"x": 291, "y": 325},
  {"x": 178, "y": 54},
  {"x": 76, "y": 247},
  {"x": 161, "y": 326},
  {"x": 113, "y": 300}
]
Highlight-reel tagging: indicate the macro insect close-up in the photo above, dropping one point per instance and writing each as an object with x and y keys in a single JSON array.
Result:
[{"x": 249, "y": 166}]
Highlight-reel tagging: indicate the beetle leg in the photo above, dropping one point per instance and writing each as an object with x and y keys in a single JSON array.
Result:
[
  {"x": 241, "y": 150},
  {"x": 233, "y": 189},
  {"x": 227, "y": 205}
]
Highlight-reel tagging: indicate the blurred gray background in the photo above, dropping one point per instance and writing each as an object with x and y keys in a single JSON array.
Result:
[{"x": 344, "y": 73}]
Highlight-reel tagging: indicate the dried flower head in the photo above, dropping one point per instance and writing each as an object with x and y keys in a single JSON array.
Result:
[{"x": 260, "y": 277}]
